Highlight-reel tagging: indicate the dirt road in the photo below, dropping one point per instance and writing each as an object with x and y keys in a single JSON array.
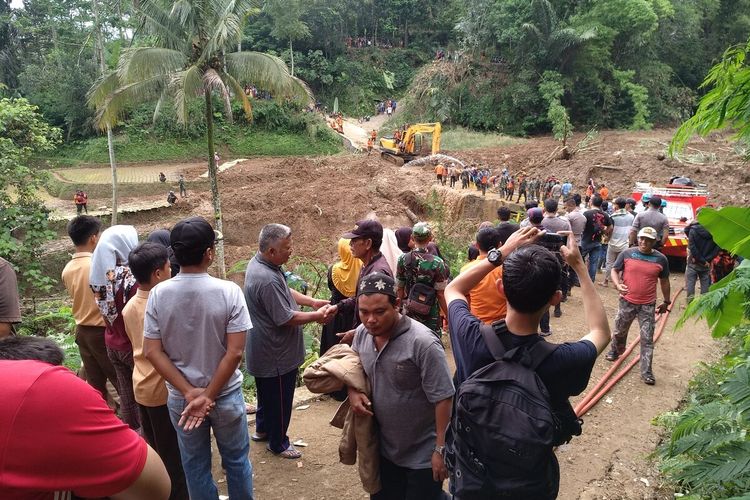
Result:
[
  {"x": 320, "y": 198},
  {"x": 610, "y": 459}
]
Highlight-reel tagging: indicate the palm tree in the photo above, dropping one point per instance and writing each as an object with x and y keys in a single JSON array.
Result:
[
  {"x": 557, "y": 43},
  {"x": 189, "y": 57}
]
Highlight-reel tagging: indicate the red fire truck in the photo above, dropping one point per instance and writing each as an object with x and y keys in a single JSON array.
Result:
[{"x": 682, "y": 204}]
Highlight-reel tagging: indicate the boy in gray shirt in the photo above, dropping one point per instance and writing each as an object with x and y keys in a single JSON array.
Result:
[{"x": 194, "y": 335}]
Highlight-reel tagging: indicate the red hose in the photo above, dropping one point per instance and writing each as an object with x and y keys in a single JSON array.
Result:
[{"x": 593, "y": 397}]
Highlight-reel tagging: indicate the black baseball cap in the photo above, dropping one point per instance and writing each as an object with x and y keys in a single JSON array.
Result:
[
  {"x": 193, "y": 234},
  {"x": 367, "y": 228}
]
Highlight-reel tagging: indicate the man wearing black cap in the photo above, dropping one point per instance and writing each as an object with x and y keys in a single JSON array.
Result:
[
  {"x": 194, "y": 335},
  {"x": 407, "y": 370},
  {"x": 366, "y": 238}
]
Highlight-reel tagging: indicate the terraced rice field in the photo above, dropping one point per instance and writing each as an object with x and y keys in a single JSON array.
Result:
[{"x": 139, "y": 174}]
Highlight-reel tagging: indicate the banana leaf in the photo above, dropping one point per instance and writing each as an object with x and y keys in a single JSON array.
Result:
[{"x": 730, "y": 228}]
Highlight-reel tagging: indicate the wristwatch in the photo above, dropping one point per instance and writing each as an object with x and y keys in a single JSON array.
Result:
[
  {"x": 438, "y": 449},
  {"x": 495, "y": 257}
]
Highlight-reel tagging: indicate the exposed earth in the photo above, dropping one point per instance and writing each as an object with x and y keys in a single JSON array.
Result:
[
  {"x": 322, "y": 197},
  {"x": 610, "y": 460}
]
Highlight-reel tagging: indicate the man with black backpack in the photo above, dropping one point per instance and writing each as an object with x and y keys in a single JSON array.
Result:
[
  {"x": 511, "y": 407},
  {"x": 421, "y": 278},
  {"x": 598, "y": 224}
]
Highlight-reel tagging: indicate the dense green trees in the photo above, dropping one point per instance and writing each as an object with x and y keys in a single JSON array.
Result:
[
  {"x": 727, "y": 103},
  {"x": 193, "y": 56},
  {"x": 23, "y": 220},
  {"x": 623, "y": 63}
]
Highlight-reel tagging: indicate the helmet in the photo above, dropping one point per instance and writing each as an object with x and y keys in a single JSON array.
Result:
[
  {"x": 646, "y": 197},
  {"x": 663, "y": 203}
]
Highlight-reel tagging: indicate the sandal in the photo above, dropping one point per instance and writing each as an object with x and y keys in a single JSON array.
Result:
[
  {"x": 611, "y": 356},
  {"x": 259, "y": 436},
  {"x": 250, "y": 409},
  {"x": 649, "y": 380},
  {"x": 291, "y": 453}
]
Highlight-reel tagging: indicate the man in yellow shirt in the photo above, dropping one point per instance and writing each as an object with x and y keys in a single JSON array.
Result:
[
  {"x": 84, "y": 230},
  {"x": 487, "y": 299},
  {"x": 149, "y": 263}
]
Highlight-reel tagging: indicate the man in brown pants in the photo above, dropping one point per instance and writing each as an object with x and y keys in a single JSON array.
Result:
[{"x": 84, "y": 231}]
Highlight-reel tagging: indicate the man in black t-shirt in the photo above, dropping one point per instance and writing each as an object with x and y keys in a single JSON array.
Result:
[
  {"x": 531, "y": 283},
  {"x": 598, "y": 224}
]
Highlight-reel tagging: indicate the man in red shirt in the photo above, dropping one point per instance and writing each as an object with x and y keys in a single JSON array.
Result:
[
  {"x": 635, "y": 275},
  {"x": 61, "y": 439}
]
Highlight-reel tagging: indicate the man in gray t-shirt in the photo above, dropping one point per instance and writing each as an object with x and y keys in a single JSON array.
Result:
[
  {"x": 576, "y": 219},
  {"x": 412, "y": 391},
  {"x": 194, "y": 335},
  {"x": 652, "y": 217},
  {"x": 275, "y": 350}
]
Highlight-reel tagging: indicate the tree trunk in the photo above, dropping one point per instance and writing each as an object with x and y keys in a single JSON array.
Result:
[
  {"x": 291, "y": 55},
  {"x": 113, "y": 165},
  {"x": 213, "y": 177},
  {"x": 110, "y": 145}
]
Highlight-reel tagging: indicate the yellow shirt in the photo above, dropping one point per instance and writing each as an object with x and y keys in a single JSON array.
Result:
[
  {"x": 149, "y": 387},
  {"x": 75, "y": 277},
  {"x": 485, "y": 300}
]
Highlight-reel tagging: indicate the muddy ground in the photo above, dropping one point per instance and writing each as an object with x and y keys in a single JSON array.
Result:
[
  {"x": 610, "y": 460},
  {"x": 320, "y": 198}
]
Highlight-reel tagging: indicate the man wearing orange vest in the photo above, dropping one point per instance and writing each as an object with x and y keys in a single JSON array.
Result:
[{"x": 604, "y": 192}]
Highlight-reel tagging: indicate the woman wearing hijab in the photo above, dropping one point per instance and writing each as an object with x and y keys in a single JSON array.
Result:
[
  {"x": 161, "y": 236},
  {"x": 342, "y": 282},
  {"x": 113, "y": 285}
]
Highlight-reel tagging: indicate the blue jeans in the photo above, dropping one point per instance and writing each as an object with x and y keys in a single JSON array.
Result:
[
  {"x": 594, "y": 251},
  {"x": 228, "y": 421}
]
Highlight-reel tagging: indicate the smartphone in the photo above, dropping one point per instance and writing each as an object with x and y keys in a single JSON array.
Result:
[{"x": 552, "y": 241}]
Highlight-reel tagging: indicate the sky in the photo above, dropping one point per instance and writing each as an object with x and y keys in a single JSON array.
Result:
[{"x": 16, "y": 4}]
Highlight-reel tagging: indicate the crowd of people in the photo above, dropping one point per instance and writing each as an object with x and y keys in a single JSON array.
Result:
[
  {"x": 386, "y": 107},
  {"x": 170, "y": 339},
  {"x": 359, "y": 42}
]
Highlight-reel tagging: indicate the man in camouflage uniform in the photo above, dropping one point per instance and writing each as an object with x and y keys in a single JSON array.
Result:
[{"x": 419, "y": 266}]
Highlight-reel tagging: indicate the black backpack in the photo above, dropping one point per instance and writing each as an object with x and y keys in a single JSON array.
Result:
[
  {"x": 503, "y": 428},
  {"x": 421, "y": 296}
]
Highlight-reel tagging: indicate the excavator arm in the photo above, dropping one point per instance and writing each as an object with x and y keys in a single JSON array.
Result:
[{"x": 393, "y": 151}]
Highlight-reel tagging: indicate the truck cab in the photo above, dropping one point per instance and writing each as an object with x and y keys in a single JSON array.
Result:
[{"x": 683, "y": 202}]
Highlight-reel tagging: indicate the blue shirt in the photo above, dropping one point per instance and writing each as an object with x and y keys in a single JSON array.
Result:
[{"x": 567, "y": 188}]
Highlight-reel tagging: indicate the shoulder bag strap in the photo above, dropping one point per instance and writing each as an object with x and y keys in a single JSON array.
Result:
[
  {"x": 539, "y": 352},
  {"x": 495, "y": 346}
]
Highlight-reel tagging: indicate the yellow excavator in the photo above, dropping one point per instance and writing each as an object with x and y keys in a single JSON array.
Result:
[{"x": 412, "y": 144}]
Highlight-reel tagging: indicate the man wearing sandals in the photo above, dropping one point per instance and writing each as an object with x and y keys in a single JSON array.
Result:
[
  {"x": 635, "y": 275},
  {"x": 275, "y": 348}
]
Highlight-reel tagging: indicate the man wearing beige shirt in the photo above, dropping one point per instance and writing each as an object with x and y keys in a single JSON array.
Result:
[
  {"x": 84, "y": 231},
  {"x": 149, "y": 263}
]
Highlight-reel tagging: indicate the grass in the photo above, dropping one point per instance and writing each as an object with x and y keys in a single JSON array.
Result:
[
  {"x": 459, "y": 138},
  {"x": 231, "y": 140},
  {"x": 455, "y": 138}
]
